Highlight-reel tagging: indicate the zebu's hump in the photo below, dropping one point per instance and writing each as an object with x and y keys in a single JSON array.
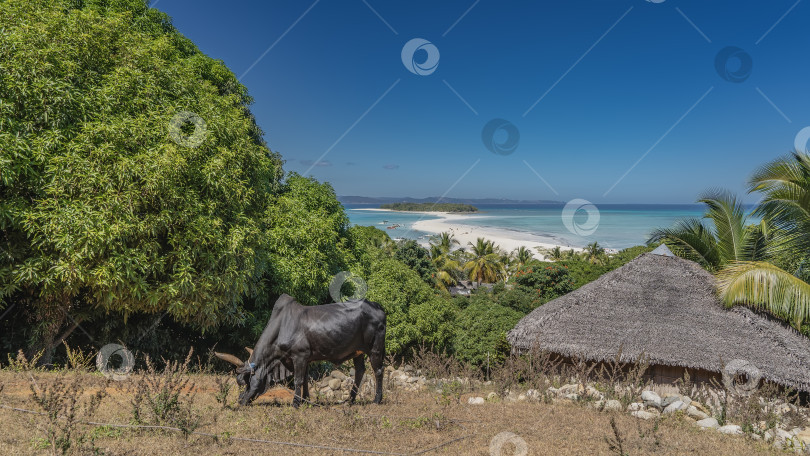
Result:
[{"x": 284, "y": 300}]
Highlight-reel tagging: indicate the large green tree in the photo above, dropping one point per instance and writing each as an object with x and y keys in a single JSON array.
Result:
[{"x": 111, "y": 198}]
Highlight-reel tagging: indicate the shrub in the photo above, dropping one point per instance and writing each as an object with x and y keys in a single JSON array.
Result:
[
  {"x": 546, "y": 280},
  {"x": 479, "y": 330}
]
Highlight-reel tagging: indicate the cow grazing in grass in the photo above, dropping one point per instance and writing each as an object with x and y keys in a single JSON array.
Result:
[{"x": 296, "y": 335}]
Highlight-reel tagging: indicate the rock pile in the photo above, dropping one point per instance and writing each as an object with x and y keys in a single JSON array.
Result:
[
  {"x": 338, "y": 385},
  {"x": 648, "y": 405}
]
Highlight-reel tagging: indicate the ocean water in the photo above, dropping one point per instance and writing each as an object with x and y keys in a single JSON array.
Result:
[{"x": 619, "y": 225}]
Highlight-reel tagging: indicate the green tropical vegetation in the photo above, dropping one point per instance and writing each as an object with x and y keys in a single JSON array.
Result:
[
  {"x": 124, "y": 219},
  {"x": 763, "y": 265}
]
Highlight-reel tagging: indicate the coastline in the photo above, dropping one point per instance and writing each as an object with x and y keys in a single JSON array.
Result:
[{"x": 507, "y": 240}]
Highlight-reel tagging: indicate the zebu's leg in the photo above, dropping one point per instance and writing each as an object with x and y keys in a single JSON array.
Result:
[
  {"x": 299, "y": 373},
  {"x": 359, "y": 370},
  {"x": 306, "y": 383},
  {"x": 376, "y": 359}
]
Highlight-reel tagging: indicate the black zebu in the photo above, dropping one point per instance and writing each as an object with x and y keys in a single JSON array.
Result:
[{"x": 297, "y": 335}]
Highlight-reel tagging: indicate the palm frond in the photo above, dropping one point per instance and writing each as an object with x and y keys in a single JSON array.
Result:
[{"x": 764, "y": 286}]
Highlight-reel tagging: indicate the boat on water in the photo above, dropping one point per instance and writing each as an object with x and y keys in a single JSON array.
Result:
[{"x": 394, "y": 226}]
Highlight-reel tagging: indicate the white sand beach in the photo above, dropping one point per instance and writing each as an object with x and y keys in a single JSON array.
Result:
[{"x": 507, "y": 240}]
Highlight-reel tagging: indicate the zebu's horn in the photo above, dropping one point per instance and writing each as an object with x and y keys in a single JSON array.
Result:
[
  {"x": 229, "y": 358},
  {"x": 249, "y": 350}
]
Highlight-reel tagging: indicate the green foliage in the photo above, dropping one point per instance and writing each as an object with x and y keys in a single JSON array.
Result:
[
  {"x": 548, "y": 281},
  {"x": 417, "y": 258},
  {"x": 430, "y": 207},
  {"x": 100, "y": 210},
  {"x": 480, "y": 329},
  {"x": 414, "y": 312},
  {"x": 307, "y": 240},
  {"x": 726, "y": 239},
  {"x": 519, "y": 299}
]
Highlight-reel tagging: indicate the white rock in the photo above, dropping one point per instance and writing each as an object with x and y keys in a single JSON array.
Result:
[
  {"x": 673, "y": 407},
  {"x": 334, "y": 383},
  {"x": 521, "y": 397},
  {"x": 644, "y": 415},
  {"x": 782, "y": 434},
  {"x": 593, "y": 392},
  {"x": 635, "y": 406},
  {"x": 651, "y": 399},
  {"x": 533, "y": 394},
  {"x": 476, "y": 400},
  {"x": 492, "y": 396},
  {"x": 710, "y": 423},
  {"x": 338, "y": 375},
  {"x": 693, "y": 412},
  {"x": 730, "y": 429},
  {"x": 570, "y": 389},
  {"x": 572, "y": 396},
  {"x": 613, "y": 404}
]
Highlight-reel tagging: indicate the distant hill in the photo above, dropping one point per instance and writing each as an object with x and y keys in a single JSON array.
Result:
[{"x": 435, "y": 199}]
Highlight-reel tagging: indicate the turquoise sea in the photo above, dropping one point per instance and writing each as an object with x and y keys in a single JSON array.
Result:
[{"x": 619, "y": 226}]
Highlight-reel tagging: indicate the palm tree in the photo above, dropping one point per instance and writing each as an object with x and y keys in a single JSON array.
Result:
[
  {"x": 521, "y": 255},
  {"x": 594, "y": 253},
  {"x": 727, "y": 238},
  {"x": 556, "y": 254},
  {"x": 785, "y": 208},
  {"x": 484, "y": 264},
  {"x": 447, "y": 241}
]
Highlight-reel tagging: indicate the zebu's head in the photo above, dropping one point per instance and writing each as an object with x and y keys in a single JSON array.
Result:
[
  {"x": 254, "y": 374},
  {"x": 244, "y": 369}
]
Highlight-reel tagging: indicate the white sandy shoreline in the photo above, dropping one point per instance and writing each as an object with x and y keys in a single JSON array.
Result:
[{"x": 465, "y": 233}]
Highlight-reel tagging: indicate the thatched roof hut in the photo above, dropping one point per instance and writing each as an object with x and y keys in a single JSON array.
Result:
[{"x": 665, "y": 308}]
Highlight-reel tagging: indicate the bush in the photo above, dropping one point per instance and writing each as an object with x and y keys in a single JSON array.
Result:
[
  {"x": 519, "y": 299},
  {"x": 480, "y": 329},
  {"x": 413, "y": 309},
  {"x": 548, "y": 281},
  {"x": 417, "y": 258}
]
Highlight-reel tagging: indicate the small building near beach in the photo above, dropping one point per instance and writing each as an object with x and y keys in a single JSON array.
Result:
[{"x": 665, "y": 309}]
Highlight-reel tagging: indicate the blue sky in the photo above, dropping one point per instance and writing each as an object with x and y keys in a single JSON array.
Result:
[{"x": 618, "y": 80}]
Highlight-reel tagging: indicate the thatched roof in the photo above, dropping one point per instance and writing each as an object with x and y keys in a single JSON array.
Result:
[{"x": 666, "y": 308}]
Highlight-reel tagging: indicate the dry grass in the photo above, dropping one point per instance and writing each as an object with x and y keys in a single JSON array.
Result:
[{"x": 405, "y": 423}]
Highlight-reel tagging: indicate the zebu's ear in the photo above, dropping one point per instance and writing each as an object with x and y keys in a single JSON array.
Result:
[{"x": 229, "y": 358}]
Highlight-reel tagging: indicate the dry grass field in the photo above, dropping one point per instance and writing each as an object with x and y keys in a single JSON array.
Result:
[{"x": 406, "y": 423}]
